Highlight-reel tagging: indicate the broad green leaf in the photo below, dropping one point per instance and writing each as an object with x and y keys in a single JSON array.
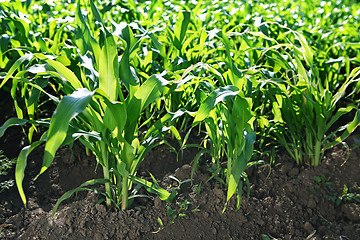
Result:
[
  {"x": 121, "y": 168},
  {"x": 259, "y": 34},
  {"x": 147, "y": 93},
  {"x": 57, "y": 38},
  {"x": 181, "y": 27},
  {"x": 62, "y": 70},
  {"x": 341, "y": 112},
  {"x": 68, "y": 108},
  {"x": 169, "y": 117},
  {"x": 118, "y": 110},
  {"x": 220, "y": 94},
  {"x": 301, "y": 70},
  {"x": 127, "y": 76},
  {"x": 84, "y": 40},
  {"x": 240, "y": 164},
  {"x": 38, "y": 87},
  {"x": 95, "y": 11},
  {"x": 158, "y": 45},
  {"x": 108, "y": 67},
  {"x": 241, "y": 114},
  {"x": 127, "y": 154}
]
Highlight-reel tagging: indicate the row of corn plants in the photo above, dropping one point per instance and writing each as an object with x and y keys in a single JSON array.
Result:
[{"x": 251, "y": 76}]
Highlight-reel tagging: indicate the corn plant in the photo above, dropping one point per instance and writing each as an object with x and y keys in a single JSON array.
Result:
[
  {"x": 304, "y": 109},
  {"x": 305, "y": 117},
  {"x": 227, "y": 117},
  {"x": 95, "y": 111}
]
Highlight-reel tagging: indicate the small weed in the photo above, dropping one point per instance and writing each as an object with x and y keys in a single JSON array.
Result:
[
  {"x": 198, "y": 188},
  {"x": 171, "y": 213},
  {"x": 161, "y": 225},
  {"x": 265, "y": 237},
  {"x": 5, "y": 166},
  {"x": 180, "y": 211},
  {"x": 6, "y": 185},
  {"x": 180, "y": 183},
  {"x": 347, "y": 194},
  {"x": 177, "y": 212}
]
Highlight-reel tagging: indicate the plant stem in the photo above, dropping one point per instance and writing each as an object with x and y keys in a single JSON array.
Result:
[
  {"x": 88, "y": 152},
  {"x": 107, "y": 186},
  {"x": 317, "y": 153},
  {"x": 124, "y": 193},
  {"x": 106, "y": 173}
]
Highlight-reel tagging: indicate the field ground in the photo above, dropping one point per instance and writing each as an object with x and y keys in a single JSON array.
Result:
[
  {"x": 285, "y": 201},
  {"x": 252, "y": 77}
]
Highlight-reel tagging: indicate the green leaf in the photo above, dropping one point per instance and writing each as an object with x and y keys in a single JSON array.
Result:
[
  {"x": 127, "y": 154},
  {"x": 15, "y": 66},
  {"x": 84, "y": 40},
  {"x": 159, "y": 124},
  {"x": 62, "y": 70},
  {"x": 147, "y": 93},
  {"x": 21, "y": 165},
  {"x": 341, "y": 112},
  {"x": 68, "y": 194},
  {"x": 108, "y": 67},
  {"x": 127, "y": 76},
  {"x": 153, "y": 188},
  {"x": 95, "y": 11},
  {"x": 347, "y": 131},
  {"x": 12, "y": 122},
  {"x": 117, "y": 109},
  {"x": 301, "y": 69},
  {"x": 240, "y": 164},
  {"x": 307, "y": 53},
  {"x": 180, "y": 28},
  {"x": 220, "y": 94},
  {"x": 55, "y": 46},
  {"x": 68, "y": 108},
  {"x": 195, "y": 164}
]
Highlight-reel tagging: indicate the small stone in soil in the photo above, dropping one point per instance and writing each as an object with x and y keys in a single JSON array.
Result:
[
  {"x": 311, "y": 203},
  {"x": 293, "y": 172},
  {"x": 157, "y": 202},
  {"x": 308, "y": 227},
  {"x": 286, "y": 167}
]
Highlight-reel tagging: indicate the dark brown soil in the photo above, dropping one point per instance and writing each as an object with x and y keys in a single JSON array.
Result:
[{"x": 285, "y": 201}]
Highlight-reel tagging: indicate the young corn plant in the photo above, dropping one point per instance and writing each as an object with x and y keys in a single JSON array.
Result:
[
  {"x": 228, "y": 120},
  {"x": 305, "y": 111},
  {"x": 95, "y": 111},
  {"x": 304, "y": 119}
]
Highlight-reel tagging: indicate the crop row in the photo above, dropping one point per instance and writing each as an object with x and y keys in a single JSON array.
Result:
[{"x": 121, "y": 75}]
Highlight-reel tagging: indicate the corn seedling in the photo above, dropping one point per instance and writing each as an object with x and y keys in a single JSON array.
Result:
[
  {"x": 305, "y": 112},
  {"x": 228, "y": 120}
]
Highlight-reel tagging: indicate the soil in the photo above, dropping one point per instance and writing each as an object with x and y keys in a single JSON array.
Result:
[{"x": 285, "y": 201}]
